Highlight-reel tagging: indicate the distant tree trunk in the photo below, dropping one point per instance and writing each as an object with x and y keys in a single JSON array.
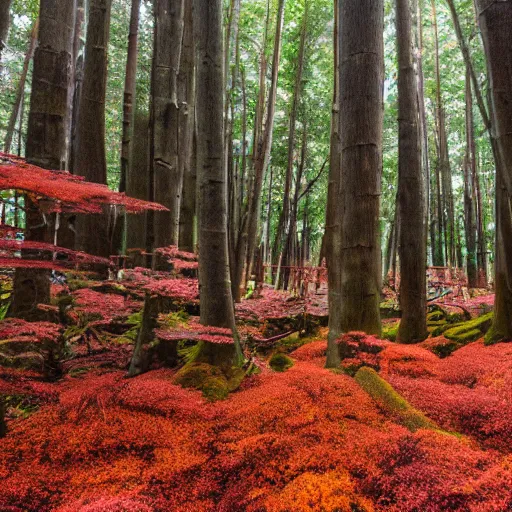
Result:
[
  {"x": 5, "y": 20},
  {"x": 411, "y": 198},
  {"x": 91, "y": 162},
  {"x": 46, "y": 139},
  {"x": 137, "y": 180},
  {"x": 469, "y": 192},
  {"x": 187, "y": 165},
  {"x": 217, "y": 307},
  {"x": 263, "y": 146},
  {"x": 444, "y": 168},
  {"x": 20, "y": 90},
  {"x": 361, "y": 126},
  {"x": 332, "y": 251},
  {"x": 169, "y": 22},
  {"x": 129, "y": 93},
  {"x": 495, "y": 19},
  {"x": 284, "y": 218}
]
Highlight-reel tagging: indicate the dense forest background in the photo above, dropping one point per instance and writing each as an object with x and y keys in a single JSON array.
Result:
[{"x": 314, "y": 105}]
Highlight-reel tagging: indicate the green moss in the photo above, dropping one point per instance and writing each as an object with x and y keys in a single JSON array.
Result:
[
  {"x": 471, "y": 330},
  {"x": 435, "y": 316},
  {"x": 390, "y": 331},
  {"x": 387, "y": 398},
  {"x": 204, "y": 377},
  {"x": 280, "y": 362}
]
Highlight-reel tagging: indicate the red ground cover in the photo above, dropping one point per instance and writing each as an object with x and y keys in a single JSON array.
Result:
[{"x": 306, "y": 439}]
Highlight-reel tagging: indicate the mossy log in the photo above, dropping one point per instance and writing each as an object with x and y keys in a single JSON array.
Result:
[{"x": 391, "y": 401}]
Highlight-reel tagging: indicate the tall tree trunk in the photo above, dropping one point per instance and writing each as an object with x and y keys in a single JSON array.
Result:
[
  {"x": 91, "y": 162},
  {"x": 263, "y": 146},
  {"x": 129, "y": 93},
  {"x": 495, "y": 19},
  {"x": 217, "y": 307},
  {"x": 168, "y": 182},
  {"x": 469, "y": 193},
  {"x": 444, "y": 168},
  {"x": 46, "y": 139},
  {"x": 411, "y": 199},
  {"x": 137, "y": 180},
  {"x": 284, "y": 218},
  {"x": 361, "y": 126},
  {"x": 20, "y": 90},
  {"x": 332, "y": 216},
  {"x": 5, "y": 20},
  {"x": 187, "y": 168}
]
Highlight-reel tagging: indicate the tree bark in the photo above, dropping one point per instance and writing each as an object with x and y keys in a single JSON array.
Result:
[
  {"x": 495, "y": 19},
  {"x": 46, "y": 138},
  {"x": 137, "y": 180},
  {"x": 216, "y": 300},
  {"x": 168, "y": 182},
  {"x": 5, "y": 21},
  {"x": 187, "y": 168},
  {"x": 469, "y": 193},
  {"x": 129, "y": 93},
  {"x": 411, "y": 199},
  {"x": 361, "y": 126},
  {"x": 332, "y": 215},
  {"x": 93, "y": 234}
]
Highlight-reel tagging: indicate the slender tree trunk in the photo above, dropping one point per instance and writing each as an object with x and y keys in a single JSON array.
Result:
[
  {"x": 129, "y": 93},
  {"x": 411, "y": 199},
  {"x": 469, "y": 193},
  {"x": 91, "y": 161},
  {"x": 5, "y": 21},
  {"x": 46, "y": 139},
  {"x": 214, "y": 282},
  {"x": 332, "y": 250},
  {"x": 284, "y": 218},
  {"x": 444, "y": 169},
  {"x": 495, "y": 19},
  {"x": 186, "y": 162},
  {"x": 168, "y": 182},
  {"x": 263, "y": 146},
  {"x": 20, "y": 90},
  {"x": 361, "y": 126}
]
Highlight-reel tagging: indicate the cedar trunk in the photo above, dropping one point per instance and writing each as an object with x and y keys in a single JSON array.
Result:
[
  {"x": 186, "y": 96},
  {"x": 5, "y": 20},
  {"x": 216, "y": 301},
  {"x": 411, "y": 198},
  {"x": 169, "y": 20},
  {"x": 46, "y": 138},
  {"x": 495, "y": 19},
  {"x": 92, "y": 230},
  {"x": 357, "y": 240}
]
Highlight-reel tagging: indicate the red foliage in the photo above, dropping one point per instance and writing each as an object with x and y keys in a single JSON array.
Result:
[
  {"x": 13, "y": 246},
  {"x": 306, "y": 439},
  {"x": 17, "y": 330},
  {"x": 72, "y": 192},
  {"x": 172, "y": 252},
  {"x": 184, "y": 290},
  {"x": 194, "y": 331},
  {"x": 107, "y": 306}
]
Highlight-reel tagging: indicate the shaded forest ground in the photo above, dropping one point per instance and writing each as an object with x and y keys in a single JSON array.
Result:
[{"x": 419, "y": 427}]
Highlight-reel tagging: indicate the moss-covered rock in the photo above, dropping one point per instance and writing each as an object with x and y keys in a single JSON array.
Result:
[
  {"x": 280, "y": 362},
  {"x": 390, "y": 331},
  {"x": 471, "y": 330},
  {"x": 388, "y": 399},
  {"x": 204, "y": 377},
  {"x": 435, "y": 316}
]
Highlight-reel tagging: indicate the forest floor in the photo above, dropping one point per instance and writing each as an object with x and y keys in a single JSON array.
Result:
[{"x": 419, "y": 428}]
